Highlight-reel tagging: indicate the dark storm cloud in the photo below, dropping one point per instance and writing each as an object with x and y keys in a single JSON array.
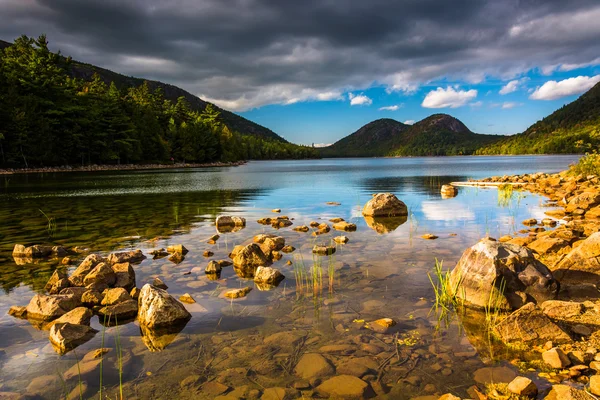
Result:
[{"x": 247, "y": 53}]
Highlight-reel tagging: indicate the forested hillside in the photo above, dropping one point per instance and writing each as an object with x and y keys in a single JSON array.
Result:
[
  {"x": 436, "y": 135},
  {"x": 574, "y": 128},
  {"x": 50, "y": 116}
]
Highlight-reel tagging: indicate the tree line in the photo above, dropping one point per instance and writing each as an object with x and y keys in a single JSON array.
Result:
[{"x": 49, "y": 118}]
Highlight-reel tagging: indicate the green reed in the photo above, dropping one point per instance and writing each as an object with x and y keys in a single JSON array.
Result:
[
  {"x": 446, "y": 293},
  {"x": 50, "y": 225}
]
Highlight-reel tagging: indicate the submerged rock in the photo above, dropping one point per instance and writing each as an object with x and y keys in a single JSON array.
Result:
[
  {"x": 65, "y": 336},
  {"x": 341, "y": 239},
  {"x": 313, "y": 365},
  {"x": 119, "y": 312},
  {"x": 177, "y": 248},
  {"x": 187, "y": 298},
  {"x": 530, "y": 325},
  {"x": 268, "y": 275},
  {"x": 213, "y": 267},
  {"x": 344, "y": 226},
  {"x": 323, "y": 250},
  {"x": 345, "y": 387},
  {"x": 237, "y": 293},
  {"x": 158, "y": 309},
  {"x": 385, "y": 205},
  {"x": 159, "y": 339},
  {"x": 301, "y": 228},
  {"x": 507, "y": 273}
]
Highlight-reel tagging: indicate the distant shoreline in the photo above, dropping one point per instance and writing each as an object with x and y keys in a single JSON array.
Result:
[{"x": 122, "y": 167}]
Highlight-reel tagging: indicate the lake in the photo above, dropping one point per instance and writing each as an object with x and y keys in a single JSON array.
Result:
[{"x": 244, "y": 348}]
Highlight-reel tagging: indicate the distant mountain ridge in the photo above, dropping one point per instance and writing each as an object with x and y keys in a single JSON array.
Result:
[
  {"x": 436, "y": 135},
  {"x": 233, "y": 121}
]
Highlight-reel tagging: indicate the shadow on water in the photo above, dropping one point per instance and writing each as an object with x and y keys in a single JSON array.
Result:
[{"x": 429, "y": 185}]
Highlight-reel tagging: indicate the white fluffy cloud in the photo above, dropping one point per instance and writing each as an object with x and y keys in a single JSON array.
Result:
[
  {"x": 359, "y": 100},
  {"x": 552, "y": 90},
  {"x": 512, "y": 86},
  {"x": 449, "y": 97},
  {"x": 409, "y": 121},
  {"x": 510, "y": 104},
  {"x": 390, "y": 108}
]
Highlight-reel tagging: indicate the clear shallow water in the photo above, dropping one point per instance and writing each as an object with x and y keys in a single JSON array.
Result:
[{"x": 375, "y": 275}]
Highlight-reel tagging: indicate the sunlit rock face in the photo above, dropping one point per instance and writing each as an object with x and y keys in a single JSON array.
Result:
[
  {"x": 508, "y": 274},
  {"x": 384, "y": 205}
]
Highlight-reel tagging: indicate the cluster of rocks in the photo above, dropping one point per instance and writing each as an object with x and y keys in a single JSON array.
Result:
[
  {"x": 524, "y": 276},
  {"x": 99, "y": 286}
]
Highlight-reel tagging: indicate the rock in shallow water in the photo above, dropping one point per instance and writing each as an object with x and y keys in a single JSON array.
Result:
[
  {"x": 47, "y": 308},
  {"x": 268, "y": 275},
  {"x": 384, "y": 205},
  {"x": 508, "y": 273},
  {"x": 65, "y": 336},
  {"x": 530, "y": 325},
  {"x": 158, "y": 309}
]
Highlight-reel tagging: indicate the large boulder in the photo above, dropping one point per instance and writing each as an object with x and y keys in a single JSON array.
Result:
[
  {"x": 119, "y": 312},
  {"x": 582, "y": 263},
  {"x": 84, "y": 268},
  {"x": 49, "y": 307},
  {"x": 158, "y": 309},
  {"x": 505, "y": 274},
  {"x": 384, "y": 205},
  {"x": 530, "y": 325},
  {"x": 66, "y": 336}
]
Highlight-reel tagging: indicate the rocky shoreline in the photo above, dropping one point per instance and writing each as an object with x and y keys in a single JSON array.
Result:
[
  {"x": 539, "y": 289},
  {"x": 121, "y": 167}
]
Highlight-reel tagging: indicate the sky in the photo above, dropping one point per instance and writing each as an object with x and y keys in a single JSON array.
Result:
[{"x": 315, "y": 71}]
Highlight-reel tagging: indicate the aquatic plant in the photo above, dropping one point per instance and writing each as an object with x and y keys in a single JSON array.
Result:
[
  {"x": 51, "y": 224},
  {"x": 505, "y": 194},
  {"x": 446, "y": 293}
]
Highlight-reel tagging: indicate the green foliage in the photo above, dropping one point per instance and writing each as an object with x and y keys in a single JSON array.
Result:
[
  {"x": 574, "y": 128},
  {"x": 589, "y": 164},
  {"x": 50, "y": 118}
]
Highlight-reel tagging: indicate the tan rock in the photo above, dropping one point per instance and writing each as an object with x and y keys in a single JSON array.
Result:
[
  {"x": 313, "y": 365},
  {"x": 237, "y": 293},
  {"x": 344, "y": 226},
  {"x": 529, "y": 325},
  {"x": 558, "y": 309},
  {"x": 47, "y": 308},
  {"x": 344, "y": 387},
  {"x": 384, "y": 205},
  {"x": 158, "y": 309},
  {"x": 114, "y": 296},
  {"x": 101, "y": 274},
  {"x": 522, "y": 386},
  {"x": 84, "y": 268},
  {"x": 134, "y": 256},
  {"x": 65, "y": 336},
  {"x": 556, "y": 358}
]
